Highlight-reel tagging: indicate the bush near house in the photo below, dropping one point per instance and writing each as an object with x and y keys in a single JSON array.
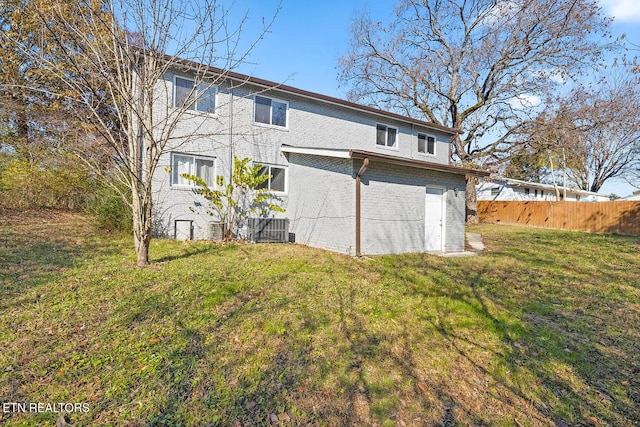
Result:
[
  {"x": 235, "y": 201},
  {"x": 542, "y": 329}
]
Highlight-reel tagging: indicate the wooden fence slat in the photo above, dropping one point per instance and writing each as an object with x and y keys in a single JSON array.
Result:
[{"x": 600, "y": 217}]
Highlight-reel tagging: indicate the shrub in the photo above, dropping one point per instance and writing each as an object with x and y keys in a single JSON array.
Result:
[
  {"x": 111, "y": 211},
  {"x": 235, "y": 201}
]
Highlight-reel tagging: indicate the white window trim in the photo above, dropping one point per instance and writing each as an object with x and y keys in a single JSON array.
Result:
[
  {"x": 270, "y": 125},
  {"x": 193, "y": 185},
  {"x": 394, "y": 147},
  {"x": 286, "y": 177},
  {"x": 426, "y": 142},
  {"x": 195, "y": 110}
]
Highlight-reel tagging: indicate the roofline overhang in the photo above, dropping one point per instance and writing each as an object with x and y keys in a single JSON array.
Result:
[
  {"x": 270, "y": 85},
  {"x": 384, "y": 158}
]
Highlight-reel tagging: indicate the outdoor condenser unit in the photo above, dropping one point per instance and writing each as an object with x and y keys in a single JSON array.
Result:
[{"x": 264, "y": 230}]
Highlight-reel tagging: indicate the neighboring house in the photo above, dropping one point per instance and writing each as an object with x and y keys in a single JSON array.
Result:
[
  {"x": 501, "y": 188},
  {"x": 632, "y": 198},
  {"x": 353, "y": 179}
]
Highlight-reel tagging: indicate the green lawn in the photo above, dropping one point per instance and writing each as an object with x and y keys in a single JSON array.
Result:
[{"x": 543, "y": 328}]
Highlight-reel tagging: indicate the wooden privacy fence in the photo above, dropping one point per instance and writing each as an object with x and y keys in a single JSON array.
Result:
[{"x": 597, "y": 217}]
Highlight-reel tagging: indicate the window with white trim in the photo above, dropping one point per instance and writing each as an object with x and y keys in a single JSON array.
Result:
[
  {"x": 270, "y": 111},
  {"x": 386, "y": 136},
  {"x": 426, "y": 144},
  {"x": 203, "y": 167},
  {"x": 495, "y": 191},
  {"x": 277, "y": 181},
  {"x": 202, "y": 98}
]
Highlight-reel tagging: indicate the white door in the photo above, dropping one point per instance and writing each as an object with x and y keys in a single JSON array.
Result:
[{"x": 434, "y": 219}]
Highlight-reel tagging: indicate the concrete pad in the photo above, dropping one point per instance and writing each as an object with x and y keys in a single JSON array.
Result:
[
  {"x": 458, "y": 254},
  {"x": 474, "y": 241}
]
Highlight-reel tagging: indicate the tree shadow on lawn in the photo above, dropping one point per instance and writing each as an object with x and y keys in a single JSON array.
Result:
[
  {"x": 552, "y": 357},
  {"x": 293, "y": 366},
  {"x": 191, "y": 249}
]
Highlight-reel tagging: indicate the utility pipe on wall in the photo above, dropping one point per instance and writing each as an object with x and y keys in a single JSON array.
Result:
[{"x": 363, "y": 168}]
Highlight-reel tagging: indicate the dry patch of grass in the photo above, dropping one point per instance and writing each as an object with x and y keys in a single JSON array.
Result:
[{"x": 542, "y": 329}]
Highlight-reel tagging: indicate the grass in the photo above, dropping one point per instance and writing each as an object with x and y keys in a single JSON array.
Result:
[{"x": 542, "y": 329}]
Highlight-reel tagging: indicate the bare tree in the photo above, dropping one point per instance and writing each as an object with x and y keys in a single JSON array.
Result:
[
  {"x": 115, "y": 64},
  {"x": 475, "y": 65},
  {"x": 593, "y": 131}
]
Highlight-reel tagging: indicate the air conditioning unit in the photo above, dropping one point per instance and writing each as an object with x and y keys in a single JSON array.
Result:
[
  {"x": 216, "y": 231},
  {"x": 268, "y": 230}
]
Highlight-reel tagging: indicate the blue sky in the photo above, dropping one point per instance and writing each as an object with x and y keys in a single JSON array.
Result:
[{"x": 308, "y": 37}]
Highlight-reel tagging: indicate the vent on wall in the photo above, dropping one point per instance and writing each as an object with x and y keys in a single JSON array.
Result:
[
  {"x": 216, "y": 231},
  {"x": 265, "y": 230},
  {"x": 183, "y": 230}
]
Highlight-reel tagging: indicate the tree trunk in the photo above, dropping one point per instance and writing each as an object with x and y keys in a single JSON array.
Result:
[
  {"x": 471, "y": 201},
  {"x": 141, "y": 225}
]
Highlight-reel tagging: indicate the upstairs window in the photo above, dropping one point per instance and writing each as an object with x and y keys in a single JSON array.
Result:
[
  {"x": 203, "y": 98},
  {"x": 270, "y": 111},
  {"x": 276, "y": 181},
  {"x": 203, "y": 167},
  {"x": 386, "y": 136},
  {"x": 426, "y": 144}
]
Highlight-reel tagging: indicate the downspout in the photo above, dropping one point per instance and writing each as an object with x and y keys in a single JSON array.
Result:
[
  {"x": 228, "y": 229},
  {"x": 363, "y": 168},
  {"x": 231, "y": 153}
]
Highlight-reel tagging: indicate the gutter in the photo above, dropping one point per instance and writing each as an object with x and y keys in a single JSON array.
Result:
[{"x": 363, "y": 168}]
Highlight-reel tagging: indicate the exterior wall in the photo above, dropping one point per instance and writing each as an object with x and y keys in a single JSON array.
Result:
[
  {"x": 393, "y": 208},
  {"x": 311, "y": 123},
  {"x": 173, "y": 203},
  {"x": 321, "y": 205},
  {"x": 318, "y": 125},
  {"x": 320, "y": 195}
]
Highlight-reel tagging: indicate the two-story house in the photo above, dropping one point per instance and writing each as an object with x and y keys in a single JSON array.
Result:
[{"x": 353, "y": 179}]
